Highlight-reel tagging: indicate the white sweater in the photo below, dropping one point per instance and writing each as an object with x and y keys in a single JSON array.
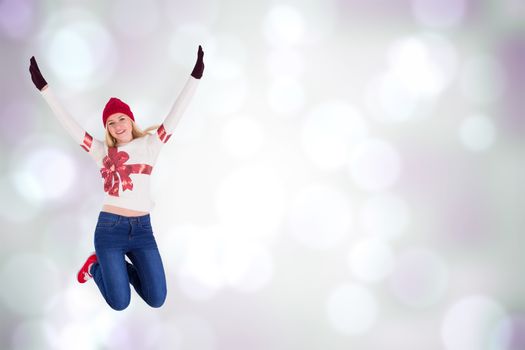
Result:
[{"x": 126, "y": 169}]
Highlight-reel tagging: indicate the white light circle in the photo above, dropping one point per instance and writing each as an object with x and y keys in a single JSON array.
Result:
[
  {"x": 201, "y": 264},
  {"x": 81, "y": 64},
  {"x": 170, "y": 335},
  {"x": 352, "y": 309},
  {"x": 329, "y": 133},
  {"x": 44, "y": 174},
  {"x": 477, "y": 133},
  {"x": 388, "y": 101},
  {"x": 419, "y": 69},
  {"x": 39, "y": 274},
  {"x": 284, "y": 25},
  {"x": 419, "y": 278},
  {"x": 81, "y": 52},
  {"x": 248, "y": 266},
  {"x": 13, "y": 206},
  {"x": 81, "y": 303},
  {"x": 286, "y": 96},
  {"x": 224, "y": 102},
  {"x": 196, "y": 333},
  {"x": 375, "y": 165},
  {"x": 193, "y": 288},
  {"x": 185, "y": 40},
  {"x": 385, "y": 216},
  {"x": 470, "y": 323},
  {"x": 285, "y": 62},
  {"x": 320, "y": 217},
  {"x": 423, "y": 65},
  {"x": 33, "y": 335},
  {"x": 178, "y": 237},
  {"x": 483, "y": 79},
  {"x": 371, "y": 259},
  {"x": 242, "y": 136},
  {"x": 226, "y": 57},
  {"x": 68, "y": 337},
  {"x": 217, "y": 258},
  {"x": 252, "y": 198}
]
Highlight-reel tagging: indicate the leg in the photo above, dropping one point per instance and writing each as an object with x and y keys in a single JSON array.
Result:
[
  {"x": 146, "y": 274},
  {"x": 111, "y": 276},
  {"x": 110, "y": 273}
]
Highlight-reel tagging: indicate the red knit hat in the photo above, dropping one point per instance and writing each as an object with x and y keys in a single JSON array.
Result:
[{"x": 113, "y": 106}]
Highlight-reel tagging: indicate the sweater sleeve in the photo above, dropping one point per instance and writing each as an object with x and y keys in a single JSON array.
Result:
[
  {"x": 168, "y": 126},
  {"x": 177, "y": 110},
  {"x": 94, "y": 147}
]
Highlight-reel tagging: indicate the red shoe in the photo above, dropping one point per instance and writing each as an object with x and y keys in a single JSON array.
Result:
[{"x": 83, "y": 275}]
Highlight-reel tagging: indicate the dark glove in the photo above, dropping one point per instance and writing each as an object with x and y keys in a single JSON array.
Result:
[
  {"x": 199, "y": 65},
  {"x": 36, "y": 76}
]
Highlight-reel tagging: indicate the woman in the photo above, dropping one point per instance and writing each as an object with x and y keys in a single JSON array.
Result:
[{"x": 126, "y": 160}]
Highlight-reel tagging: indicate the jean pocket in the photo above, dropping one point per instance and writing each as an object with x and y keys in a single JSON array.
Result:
[
  {"x": 107, "y": 222},
  {"x": 146, "y": 226}
]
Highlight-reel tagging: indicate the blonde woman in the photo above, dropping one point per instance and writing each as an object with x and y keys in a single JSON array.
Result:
[{"x": 126, "y": 159}]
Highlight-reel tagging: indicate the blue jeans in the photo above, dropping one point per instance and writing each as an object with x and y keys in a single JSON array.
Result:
[{"x": 118, "y": 236}]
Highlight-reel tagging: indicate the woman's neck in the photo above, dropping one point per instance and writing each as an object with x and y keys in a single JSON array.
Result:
[{"x": 120, "y": 144}]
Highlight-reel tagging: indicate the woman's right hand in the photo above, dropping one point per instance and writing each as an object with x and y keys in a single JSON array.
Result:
[{"x": 36, "y": 76}]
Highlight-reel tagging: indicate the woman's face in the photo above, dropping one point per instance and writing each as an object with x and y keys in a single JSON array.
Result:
[{"x": 119, "y": 127}]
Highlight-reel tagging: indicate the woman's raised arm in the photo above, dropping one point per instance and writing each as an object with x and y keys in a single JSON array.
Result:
[
  {"x": 80, "y": 136},
  {"x": 182, "y": 101}
]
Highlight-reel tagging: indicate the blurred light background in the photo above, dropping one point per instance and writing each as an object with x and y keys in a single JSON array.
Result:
[{"x": 349, "y": 174}]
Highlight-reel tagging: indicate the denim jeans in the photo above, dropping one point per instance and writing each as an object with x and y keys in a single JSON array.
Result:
[{"x": 118, "y": 236}]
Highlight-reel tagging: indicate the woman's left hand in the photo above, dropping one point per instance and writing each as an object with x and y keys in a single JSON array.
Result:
[{"x": 199, "y": 65}]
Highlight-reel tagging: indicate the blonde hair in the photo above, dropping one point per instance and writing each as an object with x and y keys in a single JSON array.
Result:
[{"x": 135, "y": 133}]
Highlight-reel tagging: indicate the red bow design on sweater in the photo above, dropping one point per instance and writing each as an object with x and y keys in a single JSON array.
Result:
[{"x": 115, "y": 170}]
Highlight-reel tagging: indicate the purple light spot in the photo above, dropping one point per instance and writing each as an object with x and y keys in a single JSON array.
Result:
[
  {"x": 512, "y": 56},
  {"x": 20, "y": 117},
  {"x": 16, "y": 17},
  {"x": 517, "y": 334}
]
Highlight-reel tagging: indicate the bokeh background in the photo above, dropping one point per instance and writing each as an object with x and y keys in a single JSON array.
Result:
[{"x": 349, "y": 174}]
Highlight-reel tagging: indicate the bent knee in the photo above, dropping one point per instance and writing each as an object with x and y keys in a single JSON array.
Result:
[
  {"x": 157, "y": 300},
  {"x": 119, "y": 305}
]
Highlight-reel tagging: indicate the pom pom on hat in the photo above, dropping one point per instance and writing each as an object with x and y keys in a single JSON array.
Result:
[{"x": 113, "y": 106}]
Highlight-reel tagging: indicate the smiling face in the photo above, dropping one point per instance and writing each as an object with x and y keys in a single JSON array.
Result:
[{"x": 119, "y": 127}]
